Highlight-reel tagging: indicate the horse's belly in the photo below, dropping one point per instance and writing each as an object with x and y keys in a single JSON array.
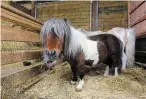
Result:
[
  {"x": 93, "y": 57},
  {"x": 92, "y": 52}
]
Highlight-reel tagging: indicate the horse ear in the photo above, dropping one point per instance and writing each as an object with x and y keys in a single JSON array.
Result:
[
  {"x": 65, "y": 19},
  {"x": 52, "y": 30}
]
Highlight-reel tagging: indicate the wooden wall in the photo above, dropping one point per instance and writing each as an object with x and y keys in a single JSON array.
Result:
[
  {"x": 137, "y": 16},
  {"x": 77, "y": 12},
  {"x": 112, "y": 14},
  {"x": 137, "y": 20},
  {"x": 19, "y": 31},
  {"x": 20, "y": 42}
]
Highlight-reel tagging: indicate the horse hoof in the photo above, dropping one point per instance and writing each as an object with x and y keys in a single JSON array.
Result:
[
  {"x": 73, "y": 82},
  {"x": 106, "y": 75},
  {"x": 78, "y": 89},
  {"x": 116, "y": 75}
]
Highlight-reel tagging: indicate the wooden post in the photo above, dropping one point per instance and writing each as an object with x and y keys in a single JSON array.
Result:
[
  {"x": 128, "y": 12},
  {"x": 33, "y": 10},
  {"x": 94, "y": 16}
]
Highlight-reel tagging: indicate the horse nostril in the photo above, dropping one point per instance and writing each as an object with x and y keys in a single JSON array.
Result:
[{"x": 50, "y": 61}]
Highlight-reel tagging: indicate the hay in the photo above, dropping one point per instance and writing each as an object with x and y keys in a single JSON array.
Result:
[
  {"x": 13, "y": 46},
  {"x": 131, "y": 84}
]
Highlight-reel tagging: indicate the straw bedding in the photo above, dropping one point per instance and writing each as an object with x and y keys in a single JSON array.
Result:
[{"x": 131, "y": 84}]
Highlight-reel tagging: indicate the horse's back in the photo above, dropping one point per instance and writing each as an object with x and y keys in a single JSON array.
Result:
[{"x": 102, "y": 37}]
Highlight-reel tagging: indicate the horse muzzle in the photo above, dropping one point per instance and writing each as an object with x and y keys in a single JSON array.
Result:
[{"x": 51, "y": 63}]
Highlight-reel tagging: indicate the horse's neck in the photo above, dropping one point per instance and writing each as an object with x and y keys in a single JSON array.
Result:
[{"x": 79, "y": 41}]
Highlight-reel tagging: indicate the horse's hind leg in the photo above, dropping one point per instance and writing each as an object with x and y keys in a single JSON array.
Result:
[
  {"x": 116, "y": 64},
  {"x": 116, "y": 71},
  {"x": 124, "y": 61},
  {"x": 106, "y": 73}
]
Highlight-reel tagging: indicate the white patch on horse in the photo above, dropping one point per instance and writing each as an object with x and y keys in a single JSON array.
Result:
[
  {"x": 80, "y": 85},
  {"x": 124, "y": 61},
  {"x": 116, "y": 72},
  {"x": 92, "y": 51},
  {"x": 106, "y": 73},
  {"x": 89, "y": 47}
]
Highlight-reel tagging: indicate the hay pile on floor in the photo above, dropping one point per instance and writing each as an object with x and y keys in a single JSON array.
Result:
[{"x": 131, "y": 84}]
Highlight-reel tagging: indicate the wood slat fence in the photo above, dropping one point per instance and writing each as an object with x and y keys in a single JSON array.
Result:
[{"x": 24, "y": 28}]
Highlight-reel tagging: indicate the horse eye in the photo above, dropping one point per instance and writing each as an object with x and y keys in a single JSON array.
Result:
[{"x": 53, "y": 52}]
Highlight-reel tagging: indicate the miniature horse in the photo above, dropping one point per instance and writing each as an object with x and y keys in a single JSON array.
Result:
[
  {"x": 127, "y": 37},
  {"x": 58, "y": 36}
]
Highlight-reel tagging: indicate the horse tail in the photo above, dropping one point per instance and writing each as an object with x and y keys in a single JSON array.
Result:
[{"x": 130, "y": 47}]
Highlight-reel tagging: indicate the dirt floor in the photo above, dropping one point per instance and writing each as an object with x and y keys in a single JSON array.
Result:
[{"x": 131, "y": 84}]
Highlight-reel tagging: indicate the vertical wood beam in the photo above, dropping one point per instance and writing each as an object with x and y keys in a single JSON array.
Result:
[
  {"x": 128, "y": 14},
  {"x": 33, "y": 10},
  {"x": 94, "y": 15}
]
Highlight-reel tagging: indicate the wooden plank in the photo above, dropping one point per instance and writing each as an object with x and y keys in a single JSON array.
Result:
[
  {"x": 16, "y": 11},
  {"x": 73, "y": 13},
  {"x": 63, "y": 8},
  {"x": 141, "y": 64},
  {"x": 64, "y": 12},
  {"x": 11, "y": 57},
  {"x": 111, "y": 20},
  {"x": 112, "y": 9},
  {"x": 140, "y": 28},
  {"x": 15, "y": 34},
  {"x": 133, "y": 5},
  {"x": 20, "y": 20},
  {"x": 113, "y": 15},
  {"x": 112, "y": 3},
  {"x": 70, "y": 3},
  {"x": 81, "y": 23},
  {"x": 9, "y": 71},
  {"x": 20, "y": 7},
  {"x": 111, "y": 24},
  {"x": 138, "y": 15},
  {"x": 73, "y": 17},
  {"x": 13, "y": 79},
  {"x": 13, "y": 45}
]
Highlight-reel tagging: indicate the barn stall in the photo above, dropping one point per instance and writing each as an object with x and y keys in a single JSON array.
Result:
[{"x": 20, "y": 44}]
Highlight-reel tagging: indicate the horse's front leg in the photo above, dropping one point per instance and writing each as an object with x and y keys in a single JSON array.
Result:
[
  {"x": 74, "y": 77},
  {"x": 81, "y": 72}
]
